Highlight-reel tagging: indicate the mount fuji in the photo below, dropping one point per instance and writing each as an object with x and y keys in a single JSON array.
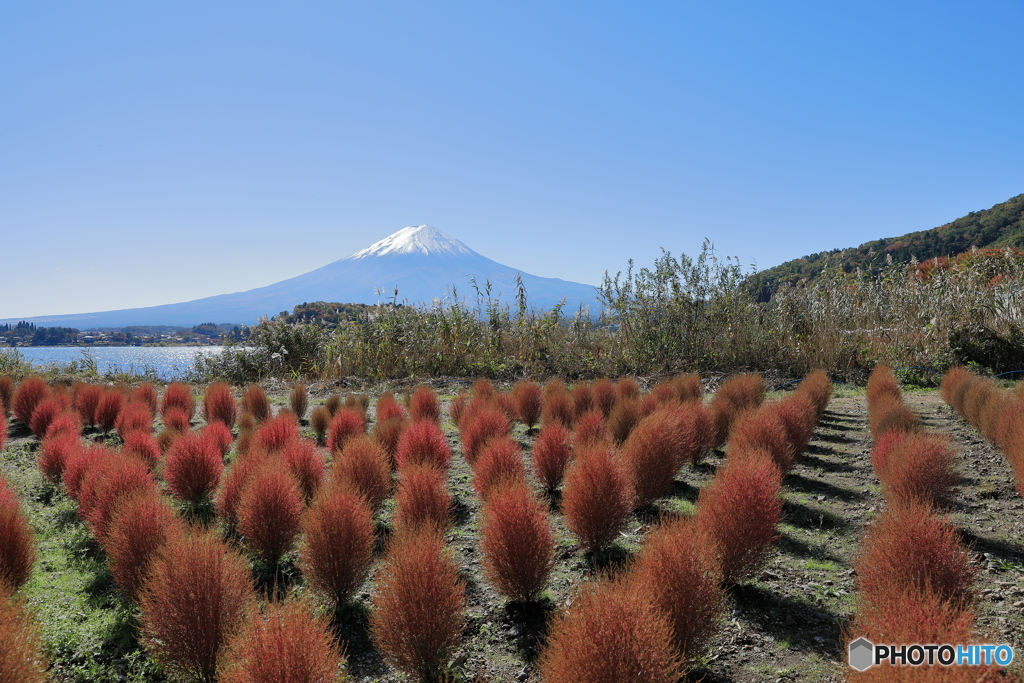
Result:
[{"x": 421, "y": 262}]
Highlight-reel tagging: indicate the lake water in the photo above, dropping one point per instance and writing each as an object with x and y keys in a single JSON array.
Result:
[{"x": 168, "y": 362}]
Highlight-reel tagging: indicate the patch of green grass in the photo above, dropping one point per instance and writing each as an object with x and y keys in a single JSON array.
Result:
[
  {"x": 822, "y": 565},
  {"x": 89, "y": 629},
  {"x": 679, "y": 506}
]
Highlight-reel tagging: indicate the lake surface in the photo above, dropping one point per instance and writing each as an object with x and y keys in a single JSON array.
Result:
[{"x": 168, "y": 362}]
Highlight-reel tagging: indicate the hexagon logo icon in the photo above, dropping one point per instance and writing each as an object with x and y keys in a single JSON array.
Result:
[{"x": 862, "y": 654}]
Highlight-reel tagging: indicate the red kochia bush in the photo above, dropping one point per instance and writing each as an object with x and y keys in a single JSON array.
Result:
[
  {"x": 423, "y": 443},
  {"x": 134, "y": 417},
  {"x": 889, "y": 414},
  {"x": 915, "y": 466},
  {"x": 178, "y": 395},
  {"x": 276, "y": 433},
  {"x": 286, "y": 643},
  {"x": 235, "y": 480},
  {"x": 423, "y": 405},
  {"x": 610, "y": 634},
  {"x": 500, "y": 463},
  {"x": 596, "y": 499},
  {"x": 910, "y": 544},
  {"x": 21, "y": 643},
  {"x": 388, "y": 433},
  {"x": 679, "y": 571},
  {"x": 83, "y": 470},
  {"x": 146, "y": 394},
  {"x": 6, "y": 394},
  {"x": 623, "y": 419},
  {"x": 86, "y": 399},
  {"x": 551, "y": 455},
  {"x": 481, "y": 428},
  {"x": 590, "y": 428},
  {"x": 67, "y": 422},
  {"x": 109, "y": 409},
  {"x": 298, "y": 399},
  {"x": 345, "y": 424},
  {"x": 123, "y": 476},
  {"x": 28, "y": 395},
  {"x": 270, "y": 511},
  {"x": 744, "y": 391},
  {"x": 582, "y": 399},
  {"x": 320, "y": 420},
  {"x": 422, "y": 498},
  {"x": 954, "y": 383},
  {"x": 688, "y": 388},
  {"x": 17, "y": 541},
  {"x": 143, "y": 446},
  {"x": 882, "y": 384},
  {"x": 557, "y": 406},
  {"x": 220, "y": 435},
  {"x": 363, "y": 467},
  {"x": 738, "y": 512},
  {"x": 647, "y": 405},
  {"x": 763, "y": 430},
  {"x": 45, "y": 412},
  {"x": 697, "y": 431},
  {"x": 139, "y": 526},
  {"x": 3, "y": 427},
  {"x": 517, "y": 543},
  {"x": 817, "y": 388},
  {"x": 388, "y": 407},
  {"x": 255, "y": 401},
  {"x": 457, "y": 409},
  {"x": 338, "y": 549},
  {"x": 903, "y": 614},
  {"x": 484, "y": 390},
  {"x": 798, "y": 416},
  {"x": 193, "y": 467},
  {"x": 417, "y": 615},
  {"x": 651, "y": 456},
  {"x": 197, "y": 594},
  {"x": 176, "y": 419},
  {"x": 664, "y": 393},
  {"x": 307, "y": 465},
  {"x": 358, "y": 402},
  {"x": 528, "y": 400},
  {"x": 505, "y": 404},
  {"x": 737, "y": 395},
  {"x": 604, "y": 396},
  {"x": 627, "y": 388},
  {"x": 55, "y": 454},
  {"x": 979, "y": 400},
  {"x": 219, "y": 404}
]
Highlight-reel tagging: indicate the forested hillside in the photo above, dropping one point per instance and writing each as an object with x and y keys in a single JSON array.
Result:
[{"x": 1002, "y": 225}]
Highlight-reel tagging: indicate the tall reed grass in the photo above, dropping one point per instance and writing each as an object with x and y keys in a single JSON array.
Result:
[{"x": 702, "y": 313}]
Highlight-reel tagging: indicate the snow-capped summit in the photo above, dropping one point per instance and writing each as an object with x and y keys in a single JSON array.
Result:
[
  {"x": 419, "y": 239},
  {"x": 421, "y": 263}
]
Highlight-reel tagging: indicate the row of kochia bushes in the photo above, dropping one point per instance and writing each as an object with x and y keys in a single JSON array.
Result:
[
  {"x": 914, "y": 577},
  {"x": 997, "y": 413},
  {"x": 609, "y": 447}
]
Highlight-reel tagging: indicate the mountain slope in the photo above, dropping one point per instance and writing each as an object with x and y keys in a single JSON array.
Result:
[
  {"x": 1001, "y": 225},
  {"x": 421, "y": 262}
]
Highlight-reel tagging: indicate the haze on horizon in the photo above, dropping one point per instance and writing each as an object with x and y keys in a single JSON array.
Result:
[{"x": 161, "y": 153}]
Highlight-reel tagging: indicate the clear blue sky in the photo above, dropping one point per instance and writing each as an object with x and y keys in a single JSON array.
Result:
[{"x": 155, "y": 152}]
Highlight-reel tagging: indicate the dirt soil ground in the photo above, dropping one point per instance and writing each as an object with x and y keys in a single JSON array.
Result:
[{"x": 786, "y": 624}]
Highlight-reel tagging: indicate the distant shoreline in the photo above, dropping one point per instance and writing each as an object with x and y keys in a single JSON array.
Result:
[{"x": 112, "y": 346}]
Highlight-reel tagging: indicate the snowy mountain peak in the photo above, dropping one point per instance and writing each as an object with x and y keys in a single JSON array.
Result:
[{"x": 420, "y": 239}]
